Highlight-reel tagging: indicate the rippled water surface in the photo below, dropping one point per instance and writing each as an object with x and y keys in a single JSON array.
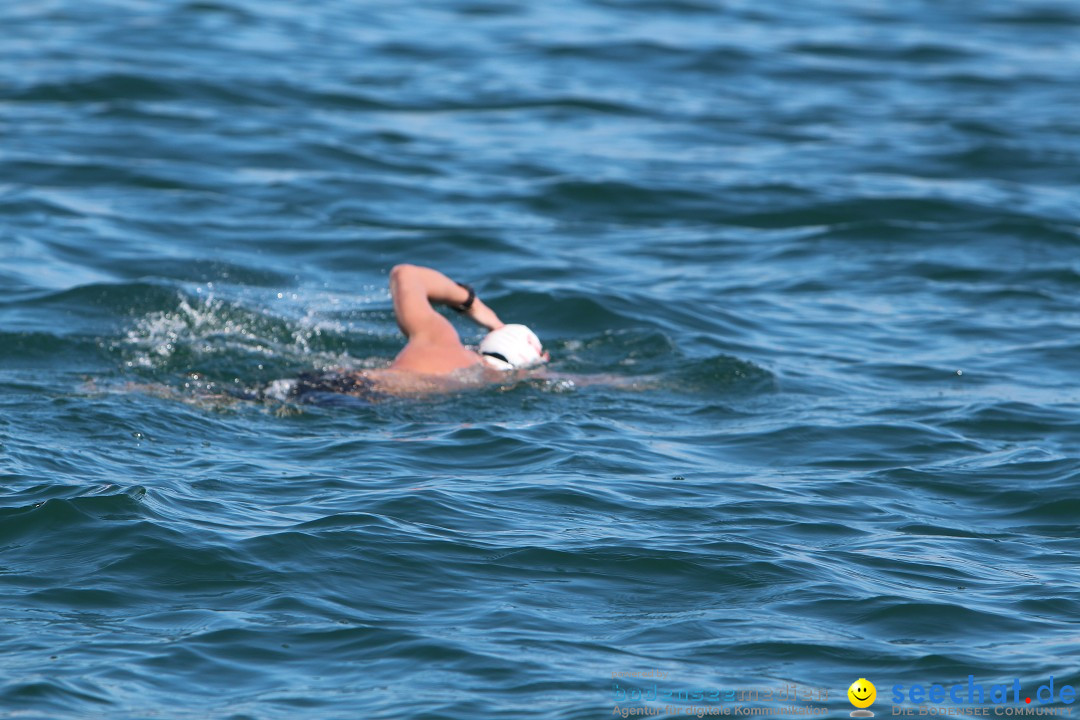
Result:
[{"x": 832, "y": 245}]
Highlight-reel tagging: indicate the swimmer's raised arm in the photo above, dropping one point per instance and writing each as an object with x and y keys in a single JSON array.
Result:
[
  {"x": 414, "y": 289},
  {"x": 434, "y": 346}
]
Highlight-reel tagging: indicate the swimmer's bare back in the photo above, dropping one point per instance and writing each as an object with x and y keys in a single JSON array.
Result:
[{"x": 408, "y": 383}]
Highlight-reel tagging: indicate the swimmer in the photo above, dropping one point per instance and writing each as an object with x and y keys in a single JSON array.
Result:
[
  {"x": 433, "y": 361},
  {"x": 433, "y": 346},
  {"x": 434, "y": 358}
]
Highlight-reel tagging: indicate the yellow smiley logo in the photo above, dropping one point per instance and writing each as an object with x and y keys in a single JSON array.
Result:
[{"x": 862, "y": 693}]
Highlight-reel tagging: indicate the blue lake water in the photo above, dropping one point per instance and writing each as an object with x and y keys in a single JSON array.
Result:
[{"x": 840, "y": 240}]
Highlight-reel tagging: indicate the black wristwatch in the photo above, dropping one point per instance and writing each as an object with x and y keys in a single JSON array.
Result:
[{"x": 468, "y": 303}]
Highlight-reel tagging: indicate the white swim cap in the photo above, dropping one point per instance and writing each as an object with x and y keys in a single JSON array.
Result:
[{"x": 511, "y": 347}]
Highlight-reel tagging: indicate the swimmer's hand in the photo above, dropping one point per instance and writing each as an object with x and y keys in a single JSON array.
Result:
[{"x": 484, "y": 316}]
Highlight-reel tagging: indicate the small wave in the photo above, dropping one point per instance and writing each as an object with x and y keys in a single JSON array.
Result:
[
  {"x": 1064, "y": 18},
  {"x": 105, "y": 299},
  {"x": 129, "y": 87},
  {"x": 61, "y": 511},
  {"x": 914, "y": 53},
  {"x": 624, "y": 200},
  {"x": 227, "y": 339},
  {"x": 35, "y": 348},
  {"x": 724, "y": 373}
]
